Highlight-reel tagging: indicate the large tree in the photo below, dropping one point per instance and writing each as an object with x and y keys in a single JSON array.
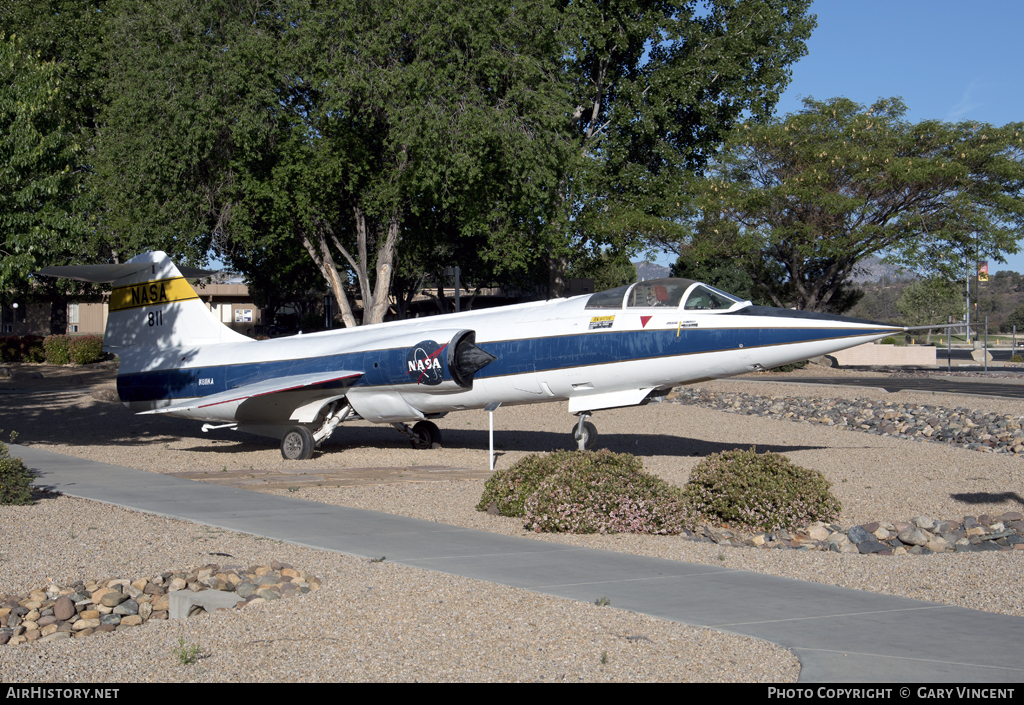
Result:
[
  {"x": 655, "y": 87},
  {"x": 928, "y": 301},
  {"x": 799, "y": 201},
  {"x": 39, "y": 168},
  {"x": 535, "y": 133},
  {"x": 397, "y": 118},
  {"x": 190, "y": 106}
]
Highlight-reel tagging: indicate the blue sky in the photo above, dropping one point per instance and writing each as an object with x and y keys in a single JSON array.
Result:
[{"x": 949, "y": 61}]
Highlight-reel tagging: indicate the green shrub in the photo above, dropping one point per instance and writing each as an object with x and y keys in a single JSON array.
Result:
[
  {"x": 57, "y": 349},
  {"x": 585, "y": 493},
  {"x": 26, "y": 348},
  {"x": 1017, "y": 358},
  {"x": 85, "y": 349},
  {"x": 32, "y": 349},
  {"x": 15, "y": 479},
  {"x": 9, "y": 349},
  {"x": 889, "y": 341},
  {"x": 510, "y": 488},
  {"x": 759, "y": 492}
]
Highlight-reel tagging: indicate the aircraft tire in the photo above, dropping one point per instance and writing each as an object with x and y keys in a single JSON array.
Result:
[
  {"x": 429, "y": 435},
  {"x": 589, "y": 435},
  {"x": 297, "y": 444}
]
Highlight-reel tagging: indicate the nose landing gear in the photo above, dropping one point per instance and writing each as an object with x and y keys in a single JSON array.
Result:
[{"x": 584, "y": 432}]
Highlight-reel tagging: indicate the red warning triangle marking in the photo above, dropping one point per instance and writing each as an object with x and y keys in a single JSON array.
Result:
[{"x": 644, "y": 320}]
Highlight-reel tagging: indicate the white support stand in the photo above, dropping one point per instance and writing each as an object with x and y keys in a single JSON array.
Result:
[{"x": 490, "y": 410}]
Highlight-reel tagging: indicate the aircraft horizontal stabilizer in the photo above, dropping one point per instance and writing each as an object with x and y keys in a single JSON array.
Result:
[
  {"x": 341, "y": 378},
  {"x": 106, "y": 273}
]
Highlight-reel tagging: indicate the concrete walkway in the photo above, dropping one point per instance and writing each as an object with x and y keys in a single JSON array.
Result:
[{"x": 839, "y": 635}]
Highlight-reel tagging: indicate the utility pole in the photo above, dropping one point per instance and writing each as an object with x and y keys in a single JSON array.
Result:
[{"x": 968, "y": 318}]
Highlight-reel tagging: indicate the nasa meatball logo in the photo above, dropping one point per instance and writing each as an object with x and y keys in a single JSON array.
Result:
[{"x": 424, "y": 362}]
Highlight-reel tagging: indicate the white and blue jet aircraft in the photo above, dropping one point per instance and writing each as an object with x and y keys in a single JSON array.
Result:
[{"x": 611, "y": 349}]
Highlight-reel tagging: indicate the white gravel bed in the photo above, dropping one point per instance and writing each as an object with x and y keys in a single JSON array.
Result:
[
  {"x": 369, "y": 621},
  {"x": 876, "y": 478}
]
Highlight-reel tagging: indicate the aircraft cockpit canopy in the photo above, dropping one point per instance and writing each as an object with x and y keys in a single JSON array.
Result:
[{"x": 665, "y": 293}]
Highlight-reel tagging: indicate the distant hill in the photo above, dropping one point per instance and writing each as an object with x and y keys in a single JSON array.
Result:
[
  {"x": 872, "y": 269},
  {"x": 649, "y": 270}
]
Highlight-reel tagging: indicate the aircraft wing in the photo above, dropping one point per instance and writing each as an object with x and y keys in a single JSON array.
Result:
[{"x": 340, "y": 378}]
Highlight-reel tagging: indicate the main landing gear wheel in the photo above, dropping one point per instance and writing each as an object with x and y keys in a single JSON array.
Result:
[
  {"x": 297, "y": 444},
  {"x": 428, "y": 435},
  {"x": 585, "y": 435}
]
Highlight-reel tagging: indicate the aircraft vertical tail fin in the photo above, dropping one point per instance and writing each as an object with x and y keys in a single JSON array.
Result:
[{"x": 152, "y": 304}]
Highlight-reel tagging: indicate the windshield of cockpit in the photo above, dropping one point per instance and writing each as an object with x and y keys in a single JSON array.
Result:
[
  {"x": 664, "y": 293},
  {"x": 707, "y": 298}
]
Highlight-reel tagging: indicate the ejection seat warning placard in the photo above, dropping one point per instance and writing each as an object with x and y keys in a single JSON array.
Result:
[{"x": 601, "y": 322}]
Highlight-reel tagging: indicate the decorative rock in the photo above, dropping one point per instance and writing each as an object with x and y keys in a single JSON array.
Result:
[
  {"x": 926, "y": 523},
  {"x": 817, "y": 531},
  {"x": 127, "y": 607},
  {"x": 872, "y": 545},
  {"x": 113, "y": 599},
  {"x": 85, "y": 623},
  {"x": 914, "y": 537},
  {"x": 857, "y": 535},
  {"x": 56, "y": 636},
  {"x": 63, "y": 608}
]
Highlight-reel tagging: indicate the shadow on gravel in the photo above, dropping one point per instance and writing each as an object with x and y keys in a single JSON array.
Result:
[
  {"x": 78, "y": 419},
  {"x": 988, "y": 497},
  {"x": 81, "y": 420},
  {"x": 512, "y": 440}
]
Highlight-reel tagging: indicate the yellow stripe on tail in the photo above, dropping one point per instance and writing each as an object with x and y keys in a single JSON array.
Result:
[{"x": 151, "y": 293}]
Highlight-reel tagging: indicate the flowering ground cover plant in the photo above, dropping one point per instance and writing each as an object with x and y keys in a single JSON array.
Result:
[
  {"x": 606, "y": 493},
  {"x": 759, "y": 492},
  {"x": 585, "y": 493}
]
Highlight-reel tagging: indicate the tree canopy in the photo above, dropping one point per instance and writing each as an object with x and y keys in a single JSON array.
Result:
[
  {"x": 39, "y": 168},
  {"x": 931, "y": 300},
  {"x": 653, "y": 89},
  {"x": 527, "y": 137},
  {"x": 797, "y": 202}
]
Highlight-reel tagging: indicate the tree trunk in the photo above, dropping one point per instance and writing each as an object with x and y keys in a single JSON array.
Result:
[
  {"x": 325, "y": 263},
  {"x": 556, "y": 276},
  {"x": 58, "y": 315},
  {"x": 385, "y": 259}
]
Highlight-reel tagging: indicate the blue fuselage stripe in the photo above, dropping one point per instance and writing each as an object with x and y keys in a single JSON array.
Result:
[{"x": 391, "y": 367}]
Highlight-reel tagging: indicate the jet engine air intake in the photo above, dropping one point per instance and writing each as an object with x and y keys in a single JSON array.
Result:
[{"x": 465, "y": 358}]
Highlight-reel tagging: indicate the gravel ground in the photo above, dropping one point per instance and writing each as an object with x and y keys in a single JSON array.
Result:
[
  {"x": 369, "y": 622},
  {"x": 408, "y": 634}
]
